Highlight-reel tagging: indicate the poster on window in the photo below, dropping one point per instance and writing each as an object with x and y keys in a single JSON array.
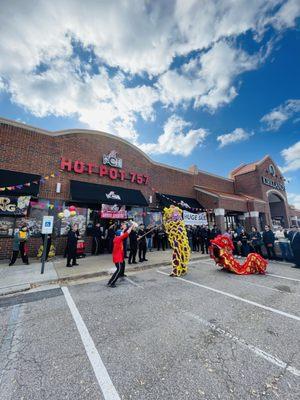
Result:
[
  {"x": 14, "y": 206},
  {"x": 194, "y": 219},
  {"x": 153, "y": 218},
  {"x": 136, "y": 214},
  {"x": 113, "y": 211}
]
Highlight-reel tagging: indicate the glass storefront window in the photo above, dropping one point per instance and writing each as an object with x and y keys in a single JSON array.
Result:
[
  {"x": 80, "y": 219},
  {"x": 38, "y": 209}
]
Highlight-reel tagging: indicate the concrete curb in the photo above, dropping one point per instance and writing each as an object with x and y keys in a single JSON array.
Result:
[{"x": 129, "y": 268}]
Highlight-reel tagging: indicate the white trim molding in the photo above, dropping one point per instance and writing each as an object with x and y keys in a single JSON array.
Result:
[
  {"x": 251, "y": 214},
  {"x": 219, "y": 212}
]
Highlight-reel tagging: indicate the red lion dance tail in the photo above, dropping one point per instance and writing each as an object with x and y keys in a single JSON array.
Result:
[{"x": 221, "y": 251}]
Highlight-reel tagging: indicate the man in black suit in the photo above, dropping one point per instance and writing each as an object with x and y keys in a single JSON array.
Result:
[
  {"x": 294, "y": 237},
  {"x": 72, "y": 246},
  {"x": 142, "y": 243},
  {"x": 133, "y": 246}
]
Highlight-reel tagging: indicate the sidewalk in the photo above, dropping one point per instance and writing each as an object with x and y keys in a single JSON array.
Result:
[{"x": 21, "y": 277}]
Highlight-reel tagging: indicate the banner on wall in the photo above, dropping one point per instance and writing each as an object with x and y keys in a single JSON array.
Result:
[
  {"x": 14, "y": 206},
  {"x": 113, "y": 211},
  {"x": 194, "y": 219}
]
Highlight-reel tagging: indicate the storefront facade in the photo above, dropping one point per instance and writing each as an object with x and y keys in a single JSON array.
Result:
[{"x": 106, "y": 177}]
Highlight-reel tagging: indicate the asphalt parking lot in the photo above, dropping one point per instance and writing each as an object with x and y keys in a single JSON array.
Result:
[{"x": 211, "y": 335}]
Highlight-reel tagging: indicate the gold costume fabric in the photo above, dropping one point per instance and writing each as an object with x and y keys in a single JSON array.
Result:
[{"x": 177, "y": 235}]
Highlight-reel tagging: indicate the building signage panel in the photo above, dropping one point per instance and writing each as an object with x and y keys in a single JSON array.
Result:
[
  {"x": 113, "y": 211},
  {"x": 194, "y": 219},
  {"x": 103, "y": 170},
  {"x": 273, "y": 184},
  {"x": 14, "y": 205}
]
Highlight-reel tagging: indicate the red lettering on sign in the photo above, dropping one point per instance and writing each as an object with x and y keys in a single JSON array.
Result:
[
  {"x": 113, "y": 173},
  {"x": 91, "y": 167},
  {"x": 65, "y": 164},
  {"x": 122, "y": 174},
  {"x": 139, "y": 179},
  {"x": 78, "y": 167},
  {"x": 103, "y": 170},
  {"x": 132, "y": 176},
  {"x": 81, "y": 167}
]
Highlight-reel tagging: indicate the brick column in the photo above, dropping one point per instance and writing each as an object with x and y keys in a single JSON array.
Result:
[
  {"x": 220, "y": 220},
  {"x": 252, "y": 219}
]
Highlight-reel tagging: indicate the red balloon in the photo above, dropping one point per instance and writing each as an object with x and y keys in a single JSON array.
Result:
[{"x": 72, "y": 208}]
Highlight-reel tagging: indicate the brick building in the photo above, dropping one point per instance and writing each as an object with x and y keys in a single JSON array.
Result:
[{"x": 105, "y": 177}]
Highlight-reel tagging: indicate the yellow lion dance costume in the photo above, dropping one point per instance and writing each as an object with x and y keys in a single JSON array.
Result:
[{"x": 178, "y": 240}]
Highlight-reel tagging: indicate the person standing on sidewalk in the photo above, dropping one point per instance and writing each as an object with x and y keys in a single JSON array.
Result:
[
  {"x": 294, "y": 236},
  {"x": 142, "y": 244},
  {"x": 20, "y": 245},
  {"x": 118, "y": 254},
  {"x": 269, "y": 242},
  {"x": 133, "y": 246},
  {"x": 72, "y": 246},
  {"x": 149, "y": 237},
  {"x": 284, "y": 244}
]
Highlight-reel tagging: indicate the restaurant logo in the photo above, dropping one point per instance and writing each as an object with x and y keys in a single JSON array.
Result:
[
  {"x": 112, "y": 195},
  {"x": 271, "y": 169},
  {"x": 112, "y": 159}
]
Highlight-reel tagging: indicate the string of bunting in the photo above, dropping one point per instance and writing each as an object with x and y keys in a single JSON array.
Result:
[
  {"x": 183, "y": 204},
  {"x": 28, "y": 184}
]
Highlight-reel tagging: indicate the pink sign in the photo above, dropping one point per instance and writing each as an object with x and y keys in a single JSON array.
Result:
[{"x": 113, "y": 211}]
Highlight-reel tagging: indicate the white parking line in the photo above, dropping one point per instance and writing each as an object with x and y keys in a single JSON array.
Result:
[
  {"x": 133, "y": 283},
  {"x": 265, "y": 287},
  {"x": 233, "y": 296},
  {"x": 283, "y": 277},
  {"x": 267, "y": 274},
  {"x": 103, "y": 378},
  {"x": 260, "y": 353}
]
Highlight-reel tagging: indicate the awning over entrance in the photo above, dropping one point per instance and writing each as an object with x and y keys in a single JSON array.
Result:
[
  {"x": 92, "y": 193},
  {"x": 186, "y": 203},
  {"x": 19, "y": 182}
]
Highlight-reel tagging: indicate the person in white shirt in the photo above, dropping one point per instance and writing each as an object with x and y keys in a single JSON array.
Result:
[{"x": 284, "y": 244}]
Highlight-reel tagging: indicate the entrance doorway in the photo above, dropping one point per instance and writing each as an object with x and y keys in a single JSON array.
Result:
[{"x": 277, "y": 209}]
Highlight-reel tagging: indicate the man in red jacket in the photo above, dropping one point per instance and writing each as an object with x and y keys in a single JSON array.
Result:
[{"x": 118, "y": 254}]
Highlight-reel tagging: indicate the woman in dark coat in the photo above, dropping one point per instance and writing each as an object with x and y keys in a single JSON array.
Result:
[{"x": 72, "y": 246}]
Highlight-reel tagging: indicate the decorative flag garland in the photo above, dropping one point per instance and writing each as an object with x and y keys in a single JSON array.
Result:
[
  {"x": 183, "y": 204},
  {"x": 28, "y": 184}
]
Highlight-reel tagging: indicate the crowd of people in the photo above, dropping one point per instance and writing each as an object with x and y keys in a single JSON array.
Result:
[{"x": 143, "y": 239}]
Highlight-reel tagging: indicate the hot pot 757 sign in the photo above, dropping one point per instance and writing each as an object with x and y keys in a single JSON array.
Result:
[{"x": 111, "y": 167}]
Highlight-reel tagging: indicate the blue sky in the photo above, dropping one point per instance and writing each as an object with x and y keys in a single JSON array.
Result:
[{"x": 208, "y": 83}]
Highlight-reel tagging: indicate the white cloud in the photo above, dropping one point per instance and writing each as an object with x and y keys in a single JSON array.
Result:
[
  {"x": 175, "y": 140},
  {"x": 207, "y": 79},
  {"x": 291, "y": 157},
  {"x": 236, "y": 136},
  {"x": 287, "y": 14},
  {"x": 276, "y": 117},
  {"x": 139, "y": 39},
  {"x": 294, "y": 200}
]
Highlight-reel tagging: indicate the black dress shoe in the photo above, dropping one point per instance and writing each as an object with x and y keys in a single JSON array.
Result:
[
  {"x": 69, "y": 266},
  {"x": 75, "y": 264},
  {"x": 145, "y": 259},
  {"x": 10, "y": 264},
  {"x": 129, "y": 262},
  {"x": 112, "y": 285},
  {"x": 141, "y": 260},
  {"x": 134, "y": 262}
]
